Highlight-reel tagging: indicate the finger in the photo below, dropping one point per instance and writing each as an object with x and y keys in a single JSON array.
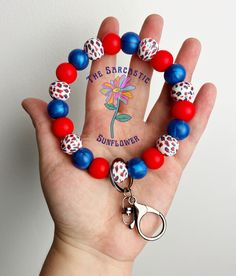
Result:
[
  {"x": 188, "y": 57},
  {"x": 204, "y": 104},
  {"x": 152, "y": 27},
  {"x": 94, "y": 99},
  {"x": 48, "y": 144}
]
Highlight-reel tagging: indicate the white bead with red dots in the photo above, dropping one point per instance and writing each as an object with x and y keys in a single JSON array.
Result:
[
  {"x": 148, "y": 47},
  {"x": 71, "y": 143},
  {"x": 119, "y": 172},
  {"x": 93, "y": 47},
  {"x": 182, "y": 91},
  {"x": 167, "y": 145},
  {"x": 59, "y": 90}
]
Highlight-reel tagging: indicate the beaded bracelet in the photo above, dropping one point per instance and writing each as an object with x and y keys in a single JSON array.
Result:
[
  {"x": 147, "y": 50},
  {"x": 183, "y": 110}
]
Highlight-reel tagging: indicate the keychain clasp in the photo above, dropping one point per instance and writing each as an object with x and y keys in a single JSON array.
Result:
[
  {"x": 138, "y": 211},
  {"x": 132, "y": 211}
]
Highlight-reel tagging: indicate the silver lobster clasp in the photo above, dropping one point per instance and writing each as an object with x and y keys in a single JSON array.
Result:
[{"x": 138, "y": 211}]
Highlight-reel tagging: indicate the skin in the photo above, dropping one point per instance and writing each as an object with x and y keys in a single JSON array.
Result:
[{"x": 86, "y": 211}]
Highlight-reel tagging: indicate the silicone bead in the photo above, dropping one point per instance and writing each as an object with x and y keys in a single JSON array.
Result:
[
  {"x": 62, "y": 126},
  {"x": 183, "y": 110},
  {"x": 167, "y": 145},
  {"x": 99, "y": 168},
  {"x": 162, "y": 60},
  {"x": 66, "y": 72},
  {"x": 58, "y": 109},
  {"x": 71, "y": 143},
  {"x": 137, "y": 168},
  {"x": 111, "y": 44},
  {"x": 93, "y": 47},
  {"x": 153, "y": 158},
  {"x": 182, "y": 91},
  {"x": 79, "y": 59},
  {"x": 178, "y": 129},
  {"x": 174, "y": 74},
  {"x": 130, "y": 43},
  {"x": 59, "y": 90},
  {"x": 119, "y": 172},
  {"x": 82, "y": 158},
  {"x": 148, "y": 47}
]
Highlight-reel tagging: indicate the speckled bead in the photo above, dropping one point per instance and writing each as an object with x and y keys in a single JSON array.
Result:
[
  {"x": 71, "y": 143},
  {"x": 93, "y": 47},
  {"x": 119, "y": 172},
  {"x": 167, "y": 145},
  {"x": 182, "y": 91},
  {"x": 148, "y": 47},
  {"x": 59, "y": 90}
]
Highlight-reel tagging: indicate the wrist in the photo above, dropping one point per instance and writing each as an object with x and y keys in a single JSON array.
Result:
[{"x": 65, "y": 259}]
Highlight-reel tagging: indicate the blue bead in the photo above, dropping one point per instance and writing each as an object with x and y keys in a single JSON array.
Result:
[
  {"x": 137, "y": 168},
  {"x": 174, "y": 74},
  {"x": 58, "y": 109},
  {"x": 130, "y": 43},
  {"x": 79, "y": 59},
  {"x": 82, "y": 158},
  {"x": 178, "y": 129}
]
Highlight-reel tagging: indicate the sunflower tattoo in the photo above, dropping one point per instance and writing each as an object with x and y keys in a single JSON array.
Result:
[{"x": 116, "y": 91}]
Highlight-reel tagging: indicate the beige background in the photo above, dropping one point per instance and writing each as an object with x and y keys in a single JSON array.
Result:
[{"x": 35, "y": 37}]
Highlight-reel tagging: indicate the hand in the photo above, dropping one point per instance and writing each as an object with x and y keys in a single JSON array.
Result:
[{"x": 86, "y": 211}]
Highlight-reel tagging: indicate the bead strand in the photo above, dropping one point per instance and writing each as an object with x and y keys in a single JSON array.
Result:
[{"x": 147, "y": 49}]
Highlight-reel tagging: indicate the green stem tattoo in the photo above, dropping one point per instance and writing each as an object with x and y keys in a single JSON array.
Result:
[{"x": 114, "y": 118}]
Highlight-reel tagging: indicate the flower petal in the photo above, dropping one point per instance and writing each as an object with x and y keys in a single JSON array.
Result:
[
  {"x": 128, "y": 88},
  {"x": 125, "y": 82},
  {"x": 110, "y": 101},
  {"x": 107, "y": 85},
  {"x": 108, "y": 96},
  {"x": 117, "y": 81},
  {"x": 104, "y": 91},
  {"x": 116, "y": 96},
  {"x": 124, "y": 99},
  {"x": 122, "y": 79},
  {"x": 127, "y": 94}
]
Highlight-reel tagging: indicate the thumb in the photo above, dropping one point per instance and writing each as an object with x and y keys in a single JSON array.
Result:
[
  {"x": 36, "y": 109},
  {"x": 48, "y": 144}
]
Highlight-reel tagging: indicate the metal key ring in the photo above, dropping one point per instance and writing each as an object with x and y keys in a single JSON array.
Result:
[
  {"x": 140, "y": 211},
  {"x": 130, "y": 179}
]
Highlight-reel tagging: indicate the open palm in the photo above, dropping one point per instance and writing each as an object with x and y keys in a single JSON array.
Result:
[{"x": 86, "y": 211}]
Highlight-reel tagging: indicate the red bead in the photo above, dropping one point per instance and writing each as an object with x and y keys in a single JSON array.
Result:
[
  {"x": 162, "y": 60},
  {"x": 111, "y": 44},
  {"x": 153, "y": 158},
  {"x": 62, "y": 126},
  {"x": 99, "y": 168},
  {"x": 183, "y": 110},
  {"x": 66, "y": 72}
]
